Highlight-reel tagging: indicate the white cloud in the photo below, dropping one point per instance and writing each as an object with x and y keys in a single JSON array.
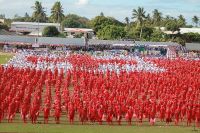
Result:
[{"x": 82, "y": 2}]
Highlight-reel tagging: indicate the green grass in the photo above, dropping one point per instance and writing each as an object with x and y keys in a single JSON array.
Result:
[
  {"x": 53, "y": 128},
  {"x": 5, "y": 57}
]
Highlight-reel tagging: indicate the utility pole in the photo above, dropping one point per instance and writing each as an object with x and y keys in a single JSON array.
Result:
[{"x": 38, "y": 27}]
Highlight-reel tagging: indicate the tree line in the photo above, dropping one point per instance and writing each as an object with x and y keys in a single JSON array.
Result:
[{"x": 141, "y": 25}]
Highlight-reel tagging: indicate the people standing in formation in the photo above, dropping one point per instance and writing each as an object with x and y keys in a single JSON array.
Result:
[{"x": 161, "y": 90}]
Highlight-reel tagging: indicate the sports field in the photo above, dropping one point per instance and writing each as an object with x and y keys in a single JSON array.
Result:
[
  {"x": 64, "y": 127},
  {"x": 4, "y": 57},
  {"x": 53, "y": 128}
]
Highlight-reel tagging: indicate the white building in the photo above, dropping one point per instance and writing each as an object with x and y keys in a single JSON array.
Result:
[
  {"x": 31, "y": 28},
  {"x": 182, "y": 30},
  {"x": 2, "y": 21},
  {"x": 88, "y": 33}
]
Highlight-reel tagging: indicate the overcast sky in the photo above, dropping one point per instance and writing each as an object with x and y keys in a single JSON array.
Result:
[{"x": 116, "y": 8}]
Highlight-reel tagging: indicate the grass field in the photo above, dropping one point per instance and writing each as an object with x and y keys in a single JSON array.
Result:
[
  {"x": 53, "y": 128},
  {"x": 64, "y": 127},
  {"x": 4, "y": 57}
]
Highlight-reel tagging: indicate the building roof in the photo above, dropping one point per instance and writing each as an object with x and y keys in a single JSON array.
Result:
[
  {"x": 41, "y": 40},
  {"x": 76, "y": 41},
  {"x": 182, "y": 30},
  {"x": 4, "y": 32},
  {"x": 193, "y": 46},
  {"x": 108, "y": 42},
  {"x": 81, "y": 30},
  {"x": 188, "y": 30},
  {"x": 35, "y": 23},
  {"x": 16, "y": 39},
  {"x": 156, "y": 43},
  {"x": 61, "y": 41}
]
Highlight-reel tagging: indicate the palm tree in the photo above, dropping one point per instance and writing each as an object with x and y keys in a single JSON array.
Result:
[
  {"x": 39, "y": 14},
  {"x": 166, "y": 19},
  {"x": 102, "y": 14},
  {"x": 195, "y": 20},
  {"x": 139, "y": 15},
  {"x": 127, "y": 21},
  {"x": 26, "y": 17},
  {"x": 148, "y": 19},
  {"x": 157, "y": 17},
  {"x": 181, "y": 20},
  {"x": 57, "y": 14}
]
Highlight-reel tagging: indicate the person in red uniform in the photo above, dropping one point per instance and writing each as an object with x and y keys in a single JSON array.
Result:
[
  {"x": 119, "y": 114},
  {"x": 100, "y": 115},
  {"x": 1, "y": 112},
  {"x": 168, "y": 116},
  {"x": 109, "y": 118},
  {"x": 189, "y": 116},
  {"x": 198, "y": 116},
  {"x": 24, "y": 111},
  {"x": 83, "y": 115},
  {"x": 71, "y": 112},
  {"x": 177, "y": 116},
  {"x": 11, "y": 111},
  {"x": 46, "y": 112},
  {"x": 162, "y": 113},
  {"x": 153, "y": 116},
  {"x": 129, "y": 115}
]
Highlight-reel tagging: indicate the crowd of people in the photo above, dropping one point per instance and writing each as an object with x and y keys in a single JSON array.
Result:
[{"x": 100, "y": 88}]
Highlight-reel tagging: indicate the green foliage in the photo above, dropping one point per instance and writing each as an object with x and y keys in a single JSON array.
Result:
[
  {"x": 100, "y": 22},
  {"x": 181, "y": 21},
  {"x": 146, "y": 33},
  {"x": 39, "y": 14},
  {"x": 101, "y": 14},
  {"x": 192, "y": 37},
  {"x": 157, "y": 36},
  {"x": 71, "y": 23},
  {"x": 172, "y": 25},
  {"x": 57, "y": 13},
  {"x": 50, "y": 31},
  {"x": 134, "y": 33},
  {"x": 195, "y": 20},
  {"x": 179, "y": 40},
  {"x": 188, "y": 26},
  {"x": 157, "y": 17},
  {"x": 75, "y": 21},
  {"x": 26, "y": 18},
  {"x": 111, "y": 32},
  {"x": 8, "y": 22},
  {"x": 127, "y": 21},
  {"x": 62, "y": 35},
  {"x": 3, "y": 26},
  {"x": 139, "y": 15}
]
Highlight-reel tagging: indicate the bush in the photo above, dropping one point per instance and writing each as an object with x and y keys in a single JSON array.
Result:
[
  {"x": 50, "y": 31},
  {"x": 62, "y": 35},
  {"x": 111, "y": 32},
  {"x": 5, "y": 27},
  {"x": 192, "y": 37}
]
